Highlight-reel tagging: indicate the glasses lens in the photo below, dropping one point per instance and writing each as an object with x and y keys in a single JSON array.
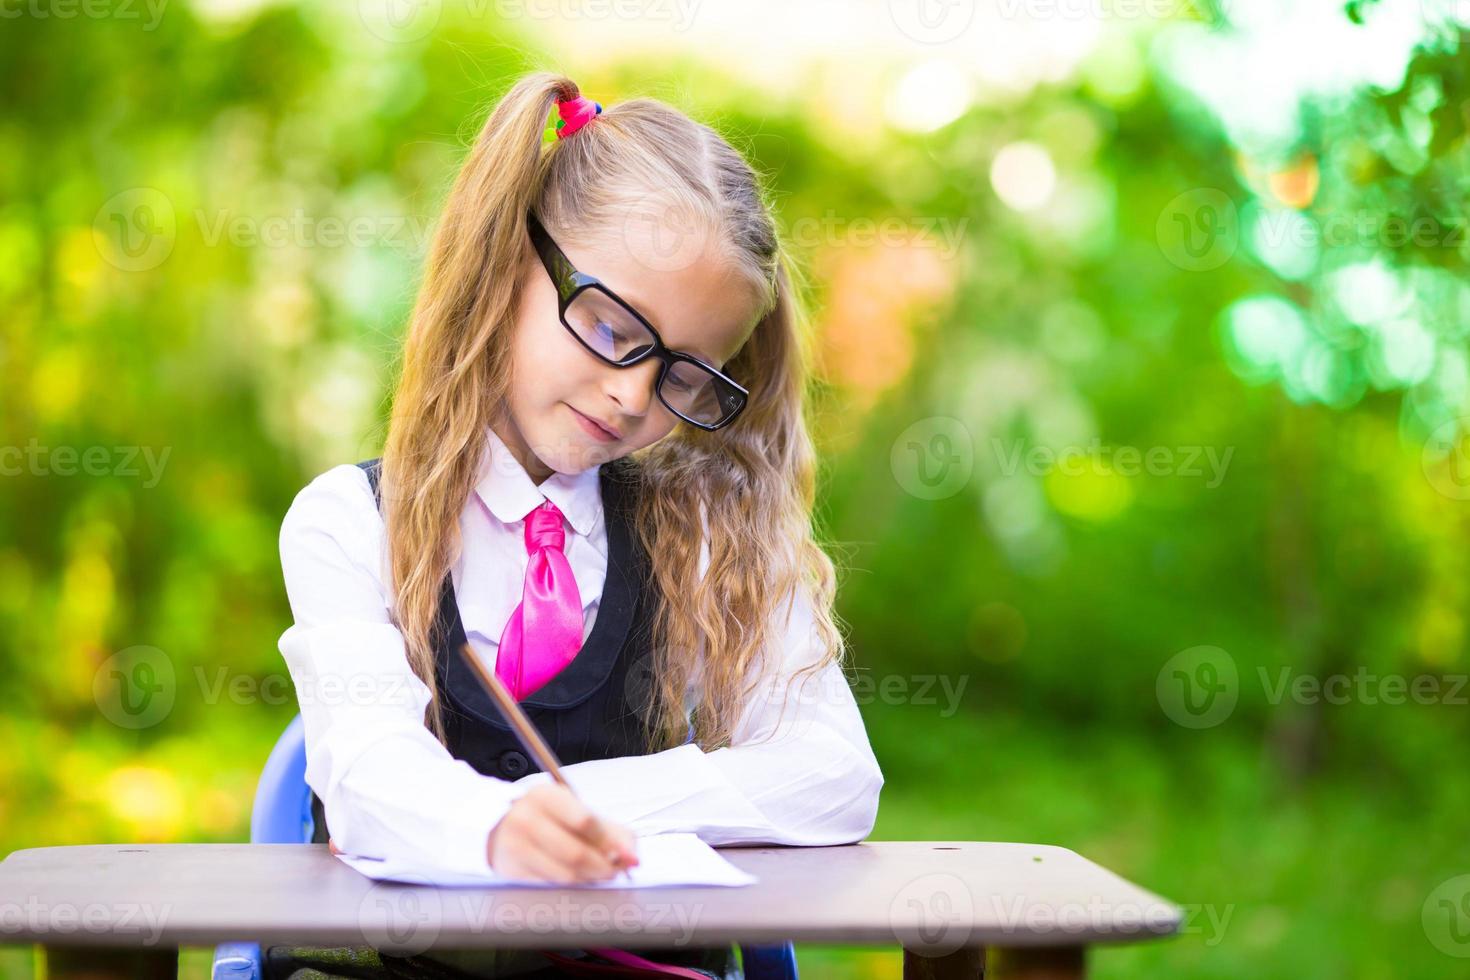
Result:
[
  {"x": 697, "y": 394},
  {"x": 609, "y": 330},
  {"x": 606, "y": 327}
]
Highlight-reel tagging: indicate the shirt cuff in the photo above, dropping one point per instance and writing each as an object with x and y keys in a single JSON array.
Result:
[
  {"x": 674, "y": 790},
  {"x": 467, "y": 826},
  {"x": 398, "y": 802}
]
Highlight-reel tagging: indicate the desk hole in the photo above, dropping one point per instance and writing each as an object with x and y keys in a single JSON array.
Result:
[
  {"x": 133, "y": 850},
  {"x": 946, "y": 848}
]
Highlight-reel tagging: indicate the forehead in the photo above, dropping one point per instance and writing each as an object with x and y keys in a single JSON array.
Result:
[{"x": 693, "y": 295}]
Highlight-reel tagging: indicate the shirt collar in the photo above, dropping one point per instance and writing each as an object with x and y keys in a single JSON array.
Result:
[{"x": 510, "y": 493}]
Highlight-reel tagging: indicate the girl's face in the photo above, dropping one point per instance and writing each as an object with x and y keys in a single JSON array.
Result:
[{"x": 559, "y": 390}]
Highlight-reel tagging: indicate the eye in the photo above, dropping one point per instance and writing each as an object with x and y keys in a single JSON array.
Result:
[
  {"x": 606, "y": 330},
  {"x": 679, "y": 384}
]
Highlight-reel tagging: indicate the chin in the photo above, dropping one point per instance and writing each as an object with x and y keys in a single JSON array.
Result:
[
  {"x": 572, "y": 467},
  {"x": 564, "y": 455}
]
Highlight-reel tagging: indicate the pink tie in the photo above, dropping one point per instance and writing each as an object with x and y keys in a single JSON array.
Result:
[{"x": 544, "y": 633}]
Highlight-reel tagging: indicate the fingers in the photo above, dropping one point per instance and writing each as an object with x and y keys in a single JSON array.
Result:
[
  {"x": 621, "y": 842},
  {"x": 584, "y": 861},
  {"x": 609, "y": 841},
  {"x": 603, "y": 836},
  {"x": 541, "y": 866},
  {"x": 551, "y": 854},
  {"x": 550, "y": 835},
  {"x": 613, "y": 841}
]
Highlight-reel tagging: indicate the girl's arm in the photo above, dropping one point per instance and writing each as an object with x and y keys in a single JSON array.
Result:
[
  {"x": 811, "y": 780},
  {"x": 390, "y": 789}
]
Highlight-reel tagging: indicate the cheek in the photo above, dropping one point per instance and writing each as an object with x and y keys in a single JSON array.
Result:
[
  {"x": 547, "y": 357},
  {"x": 659, "y": 423}
]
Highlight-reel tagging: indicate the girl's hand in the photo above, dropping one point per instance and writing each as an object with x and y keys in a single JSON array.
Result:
[{"x": 550, "y": 835}]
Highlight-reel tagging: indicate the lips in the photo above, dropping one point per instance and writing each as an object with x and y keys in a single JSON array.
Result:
[{"x": 596, "y": 428}]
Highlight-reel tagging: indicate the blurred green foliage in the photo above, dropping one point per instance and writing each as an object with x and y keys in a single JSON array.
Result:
[{"x": 1183, "y": 388}]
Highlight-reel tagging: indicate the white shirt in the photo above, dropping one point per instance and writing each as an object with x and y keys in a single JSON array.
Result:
[{"x": 392, "y": 790}]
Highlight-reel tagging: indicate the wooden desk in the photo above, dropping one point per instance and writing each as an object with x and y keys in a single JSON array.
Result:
[{"x": 958, "y": 909}]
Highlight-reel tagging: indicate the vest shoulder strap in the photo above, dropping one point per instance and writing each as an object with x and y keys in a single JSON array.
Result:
[{"x": 374, "y": 470}]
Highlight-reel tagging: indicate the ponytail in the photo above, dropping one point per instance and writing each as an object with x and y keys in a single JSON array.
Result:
[{"x": 453, "y": 373}]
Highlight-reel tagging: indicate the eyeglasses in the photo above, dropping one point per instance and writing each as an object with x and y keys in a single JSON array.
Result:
[{"x": 619, "y": 335}]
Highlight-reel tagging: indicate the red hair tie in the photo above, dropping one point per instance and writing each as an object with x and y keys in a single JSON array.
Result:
[{"x": 575, "y": 113}]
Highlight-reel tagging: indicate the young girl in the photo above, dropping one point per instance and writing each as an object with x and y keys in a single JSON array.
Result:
[{"x": 598, "y": 474}]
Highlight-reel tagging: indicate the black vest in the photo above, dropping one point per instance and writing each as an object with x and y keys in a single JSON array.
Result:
[{"x": 597, "y": 707}]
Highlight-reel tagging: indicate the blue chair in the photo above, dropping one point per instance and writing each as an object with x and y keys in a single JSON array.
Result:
[{"x": 282, "y": 815}]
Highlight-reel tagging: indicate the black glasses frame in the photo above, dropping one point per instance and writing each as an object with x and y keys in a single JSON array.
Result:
[{"x": 570, "y": 283}]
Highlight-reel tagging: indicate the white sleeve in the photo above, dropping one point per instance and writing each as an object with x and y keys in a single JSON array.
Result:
[
  {"x": 390, "y": 789},
  {"x": 812, "y": 779}
]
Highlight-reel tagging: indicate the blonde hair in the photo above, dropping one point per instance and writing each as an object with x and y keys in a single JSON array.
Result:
[{"x": 753, "y": 481}]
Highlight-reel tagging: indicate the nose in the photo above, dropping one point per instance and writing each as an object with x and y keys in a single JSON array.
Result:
[{"x": 633, "y": 387}]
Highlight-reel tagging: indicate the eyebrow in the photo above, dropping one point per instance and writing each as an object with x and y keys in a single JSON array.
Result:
[{"x": 699, "y": 356}]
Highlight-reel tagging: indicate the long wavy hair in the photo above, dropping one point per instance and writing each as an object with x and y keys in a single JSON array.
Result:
[{"x": 751, "y": 484}]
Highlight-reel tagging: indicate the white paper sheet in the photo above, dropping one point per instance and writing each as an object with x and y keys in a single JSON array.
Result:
[{"x": 664, "y": 860}]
